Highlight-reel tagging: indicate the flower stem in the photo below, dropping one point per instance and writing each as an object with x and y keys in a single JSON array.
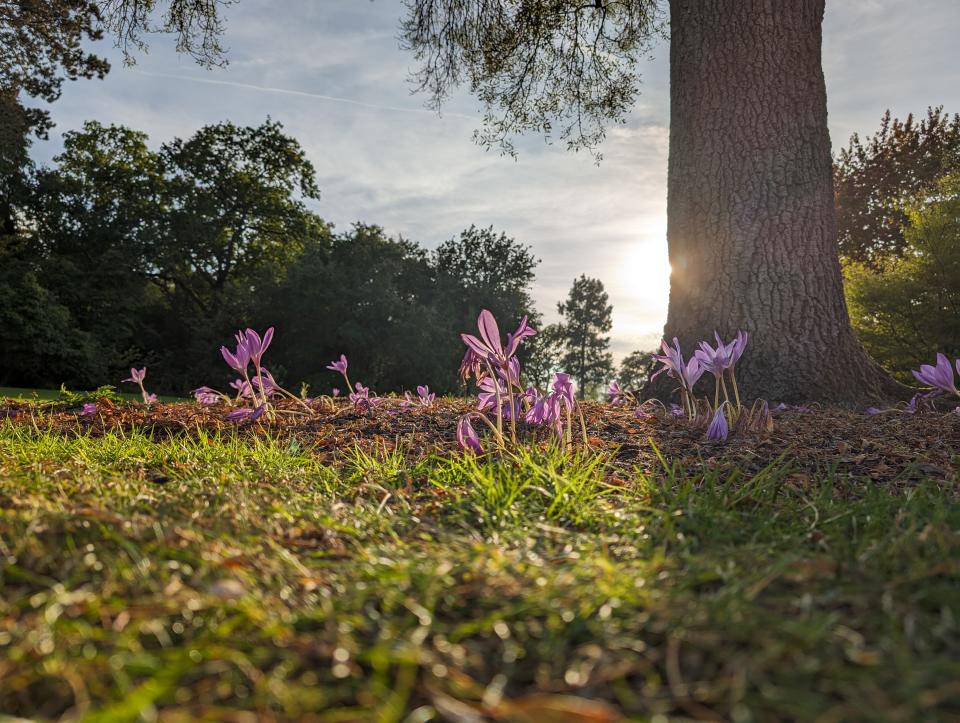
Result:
[{"x": 736, "y": 391}]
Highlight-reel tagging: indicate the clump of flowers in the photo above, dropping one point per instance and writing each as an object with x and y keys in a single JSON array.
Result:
[
  {"x": 361, "y": 397},
  {"x": 502, "y": 400},
  {"x": 939, "y": 380},
  {"x": 722, "y": 416},
  {"x": 136, "y": 377},
  {"x": 424, "y": 398},
  {"x": 256, "y": 388}
]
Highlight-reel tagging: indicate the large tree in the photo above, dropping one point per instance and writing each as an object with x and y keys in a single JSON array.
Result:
[{"x": 751, "y": 227}]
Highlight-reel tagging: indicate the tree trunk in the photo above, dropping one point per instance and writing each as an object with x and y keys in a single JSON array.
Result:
[{"x": 751, "y": 228}]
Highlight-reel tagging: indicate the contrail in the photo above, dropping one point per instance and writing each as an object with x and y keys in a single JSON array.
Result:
[{"x": 302, "y": 93}]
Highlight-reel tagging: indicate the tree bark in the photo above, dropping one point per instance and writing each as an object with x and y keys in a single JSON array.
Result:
[{"x": 751, "y": 227}]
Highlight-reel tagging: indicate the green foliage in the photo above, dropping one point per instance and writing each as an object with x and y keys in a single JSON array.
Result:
[
  {"x": 562, "y": 69},
  {"x": 587, "y": 317},
  {"x": 41, "y": 45},
  {"x": 876, "y": 180},
  {"x": 635, "y": 370},
  {"x": 909, "y": 309},
  {"x": 544, "y": 355},
  {"x": 197, "y": 578},
  {"x": 105, "y": 393}
]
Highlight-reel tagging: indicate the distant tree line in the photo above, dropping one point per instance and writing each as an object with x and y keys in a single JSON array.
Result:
[{"x": 120, "y": 255}]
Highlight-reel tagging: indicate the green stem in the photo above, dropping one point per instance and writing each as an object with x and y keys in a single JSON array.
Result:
[{"x": 736, "y": 391}]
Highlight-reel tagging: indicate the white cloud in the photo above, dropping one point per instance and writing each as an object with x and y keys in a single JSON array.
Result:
[{"x": 380, "y": 159}]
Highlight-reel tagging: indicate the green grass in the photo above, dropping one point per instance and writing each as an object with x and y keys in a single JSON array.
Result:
[
  {"x": 189, "y": 579},
  {"x": 57, "y": 395},
  {"x": 49, "y": 395}
]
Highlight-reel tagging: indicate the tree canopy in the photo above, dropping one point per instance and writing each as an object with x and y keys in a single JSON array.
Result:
[
  {"x": 876, "y": 179},
  {"x": 587, "y": 318},
  {"x": 564, "y": 69}
]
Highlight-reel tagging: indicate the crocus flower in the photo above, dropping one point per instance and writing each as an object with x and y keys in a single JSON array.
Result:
[
  {"x": 245, "y": 414},
  {"x": 426, "y": 396},
  {"x": 715, "y": 360},
  {"x": 257, "y": 346},
  {"x": 206, "y": 395},
  {"x": 362, "y": 400},
  {"x": 614, "y": 394},
  {"x": 243, "y": 387},
  {"x": 270, "y": 385},
  {"x": 939, "y": 377},
  {"x": 688, "y": 373},
  {"x": 467, "y": 436},
  {"x": 238, "y": 360},
  {"x": 563, "y": 386},
  {"x": 487, "y": 397},
  {"x": 136, "y": 375},
  {"x": 545, "y": 412},
  {"x": 88, "y": 409},
  {"x": 340, "y": 365},
  {"x": 336, "y": 392},
  {"x": 489, "y": 346},
  {"x": 718, "y": 430},
  {"x": 471, "y": 366}
]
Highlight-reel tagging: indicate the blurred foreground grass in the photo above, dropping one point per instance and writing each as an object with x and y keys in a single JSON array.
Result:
[{"x": 220, "y": 578}]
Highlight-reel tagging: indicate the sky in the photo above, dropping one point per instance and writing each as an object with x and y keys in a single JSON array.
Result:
[{"x": 332, "y": 72}]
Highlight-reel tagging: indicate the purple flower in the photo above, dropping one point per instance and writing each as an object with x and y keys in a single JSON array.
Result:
[
  {"x": 339, "y": 366},
  {"x": 206, "y": 395},
  {"x": 88, "y": 409},
  {"x": 243, "y": 387},
  {"x": 489, "y": 346},
  {"x": 718, "y": 430},
  {"x": 136, "y": 375},
  {"x": 545, "y": 412},
  {"x": 939, "y": 377},
  {"x": 672, "y": 360},
  {"x": 563, "y": 387},
  {"x": 270, "y": 385},
  {"x": 677, "y": 411},
  {"x": 336, "y": 392},
  {"x": 614, "y": 394},
  {"x": 471, "y": 366},
  {"x": 715, "y": 360},
  {"x": 872, "y": 411},
  {"x": 240, "y": 359},
  {"x": 467, "y": 436},
  {"x": 362, "y": 400},
  {"x": 522, "y": 332},
  {"x": 487, "y": 396},
  {"x": 257, "y": 346},
  {"x": 426, "y": 396},
  {"x": 245, "y": 414}
]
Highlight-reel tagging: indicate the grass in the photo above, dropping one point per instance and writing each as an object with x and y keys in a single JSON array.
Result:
[
  {"x": 58, "y": 395},
  {"x": 48, "y": 395},
  {"x": 192, "y": 579}
]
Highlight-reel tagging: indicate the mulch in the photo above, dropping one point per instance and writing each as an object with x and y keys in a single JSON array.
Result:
[{"x": 889, "y": 448}]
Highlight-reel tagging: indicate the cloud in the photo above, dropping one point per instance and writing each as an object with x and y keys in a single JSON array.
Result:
[{"x": 334, "y": 75}]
